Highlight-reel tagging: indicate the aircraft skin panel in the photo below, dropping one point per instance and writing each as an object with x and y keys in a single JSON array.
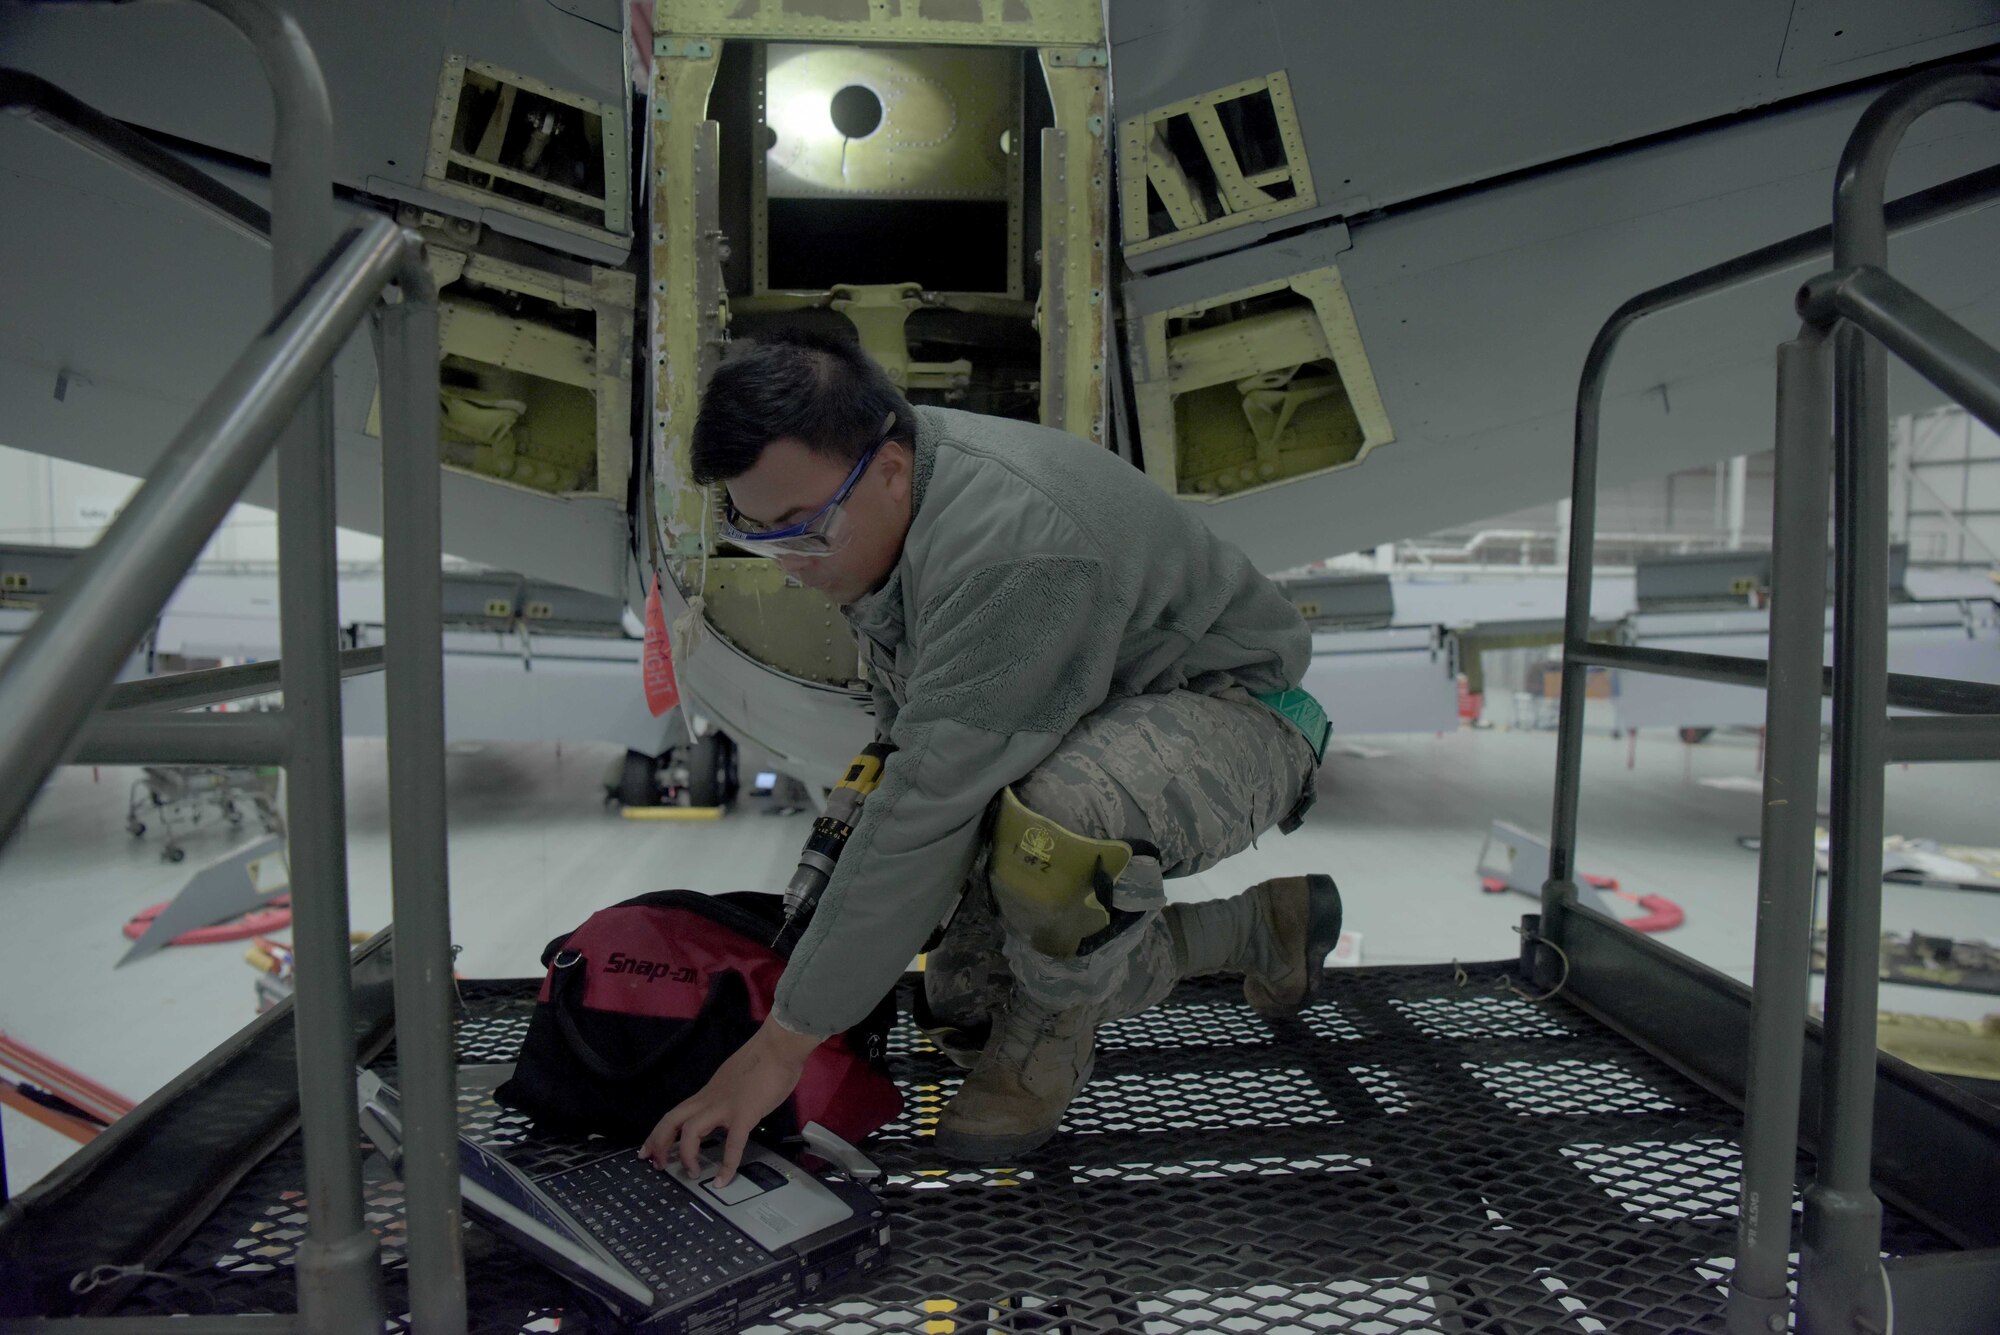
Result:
[
  {"x": 814, "y": 729},
  {"x": 184, "y": 71},
  {"x": 140, "y": 303},
  {"x": 117, "y": 281},
  {"x": 1474, "y": 307},
  {"x": 1396, "y": 102},
  {"x": 181, "y": 70},
  {"x": 583, "y": 543},
  {"x": 1477, "y": 312}
]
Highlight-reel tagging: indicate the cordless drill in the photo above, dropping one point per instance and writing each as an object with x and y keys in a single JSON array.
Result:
[{"x": 828, "y": 838}]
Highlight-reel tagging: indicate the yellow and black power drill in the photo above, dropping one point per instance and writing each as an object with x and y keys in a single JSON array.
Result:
[{"x": 829, "y": 836}]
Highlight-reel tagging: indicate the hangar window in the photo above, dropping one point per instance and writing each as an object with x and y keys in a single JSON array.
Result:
[{"x": 1215, "y": 161}]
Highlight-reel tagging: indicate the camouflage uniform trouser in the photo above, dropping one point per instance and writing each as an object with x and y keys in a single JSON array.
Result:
[{"x": 1198, "y": 777}]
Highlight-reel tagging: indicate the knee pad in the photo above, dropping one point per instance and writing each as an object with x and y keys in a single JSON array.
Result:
[{"x": 1052, "y": 885}]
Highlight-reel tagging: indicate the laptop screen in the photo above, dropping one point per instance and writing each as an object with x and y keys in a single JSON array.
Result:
[
  {"x": 481, "y": 1167},
  {"x": 477, "y": 1165},
  {"x": 496, "y": 1189}
]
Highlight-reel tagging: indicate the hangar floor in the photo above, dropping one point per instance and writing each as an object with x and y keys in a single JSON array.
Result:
[{"x": 534, "y": 851}]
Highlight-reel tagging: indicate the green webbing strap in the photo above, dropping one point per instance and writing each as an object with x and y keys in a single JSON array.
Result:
[{"x": 1304, "y": 713}]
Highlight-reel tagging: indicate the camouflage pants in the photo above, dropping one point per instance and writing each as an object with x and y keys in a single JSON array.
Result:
[{"x": 1197, "y": 777}]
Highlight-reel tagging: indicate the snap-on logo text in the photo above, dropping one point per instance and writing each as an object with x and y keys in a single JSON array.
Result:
[{"x": 649, "y": 969}]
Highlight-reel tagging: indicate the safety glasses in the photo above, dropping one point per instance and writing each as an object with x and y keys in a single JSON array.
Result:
[{"x": 822, "y": 533}]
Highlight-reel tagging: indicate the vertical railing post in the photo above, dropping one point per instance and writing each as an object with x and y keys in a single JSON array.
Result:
[
  {"x": 1841, "y": 1274},
  {"x": 1758, "y": 1296},
  {"x": 412, "y": 597},
  {"x": 1842, "y": 1285},
  {"x": 1560, "y": 889},
  {"x": 339, "y": 1273}
]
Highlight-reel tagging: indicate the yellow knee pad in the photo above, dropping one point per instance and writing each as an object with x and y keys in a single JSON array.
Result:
[{"x": 1046, "y": 879}]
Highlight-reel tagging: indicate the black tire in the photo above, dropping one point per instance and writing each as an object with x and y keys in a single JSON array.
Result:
[
  {"x": 711, "y": 765},
  {"x": 637, "y": 786},
  {"x": 1695, "y": 736},
  {"x": 174, "y": 854},
  {"x": 135, "y": 828}
]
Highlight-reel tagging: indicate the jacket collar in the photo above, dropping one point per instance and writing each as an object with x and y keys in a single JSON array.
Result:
[{"x": 880, "y": 615}]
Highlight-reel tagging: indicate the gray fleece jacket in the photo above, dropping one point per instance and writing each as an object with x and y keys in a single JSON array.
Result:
[{"x": 1042, "y": 576}]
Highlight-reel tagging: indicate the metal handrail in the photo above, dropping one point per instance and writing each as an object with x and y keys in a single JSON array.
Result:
[
  {"x": 1915, "y": 210},
  {"x": 1841, "y": 1277},
  {"x": 253, "y": 738},
  {"x": 214, "y": 686},
  {"x": 413, "y": 616},
  {"x": 282, "y": 388},
  {"x": 1965, "y": 737},
  {"x": 1940, "y": 695},
  {"x": 1782, "y": 959},
  {"x": 1933, "y": 344},
  {"x": 338, "y": 1285},
  {"x": 68, "y": 656},
  {"x": 57, "y": 672}
]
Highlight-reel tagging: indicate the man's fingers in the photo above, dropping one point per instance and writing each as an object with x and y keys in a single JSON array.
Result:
[
  {"x": 732, "y": 1152},
  {"x": 691, "y": 1137},
  {"x": 660, "y": 1145}
]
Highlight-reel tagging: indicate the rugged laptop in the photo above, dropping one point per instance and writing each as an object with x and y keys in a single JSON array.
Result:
[{"x": 668, "y": 1252}]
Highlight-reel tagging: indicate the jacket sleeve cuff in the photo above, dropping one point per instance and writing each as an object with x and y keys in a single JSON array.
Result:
[{"x": 791, "y": 1022}]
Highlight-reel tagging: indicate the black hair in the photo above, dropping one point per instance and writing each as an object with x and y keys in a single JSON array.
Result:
[{"x": 814, "y": 387}]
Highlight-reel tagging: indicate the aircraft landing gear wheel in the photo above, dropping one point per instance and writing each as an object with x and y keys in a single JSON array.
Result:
[
  {"x": 173, "y": 854},
  {"x": 711, "y": 767},
  {"x": 637, "y": 786},
  {"x": 135, "y": 828}
]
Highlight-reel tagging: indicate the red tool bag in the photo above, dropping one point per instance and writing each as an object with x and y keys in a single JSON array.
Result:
[{"x": 647, "y": 998}]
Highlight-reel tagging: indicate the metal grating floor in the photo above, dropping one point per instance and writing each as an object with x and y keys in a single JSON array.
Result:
[{"x": 1416, "y": 1154}]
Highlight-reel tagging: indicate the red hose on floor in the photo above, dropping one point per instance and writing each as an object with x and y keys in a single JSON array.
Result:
[
  {"x": 1661, "y": 914},
  {"x": 275, "y": 918}
]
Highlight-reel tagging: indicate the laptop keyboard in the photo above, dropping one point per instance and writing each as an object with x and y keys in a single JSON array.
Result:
[{"x": 653, "y": 1226}]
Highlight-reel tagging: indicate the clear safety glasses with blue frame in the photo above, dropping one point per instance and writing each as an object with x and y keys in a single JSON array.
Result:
[{"x": 822, "y": 533}]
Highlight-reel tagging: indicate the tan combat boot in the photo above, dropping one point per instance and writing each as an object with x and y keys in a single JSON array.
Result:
[
  {"x": 1032, "y": 1066},
  {"x": 1276, "y": 934}
]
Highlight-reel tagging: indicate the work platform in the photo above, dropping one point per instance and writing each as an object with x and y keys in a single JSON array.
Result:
[{"x": 1425, "y": 1150}]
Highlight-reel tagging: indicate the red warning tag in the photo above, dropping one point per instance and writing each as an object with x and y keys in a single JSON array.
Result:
[{"x": 662, "y": 692}]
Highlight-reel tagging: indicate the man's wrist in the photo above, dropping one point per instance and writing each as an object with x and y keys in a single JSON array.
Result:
[{"x": 788, "y": 1043}]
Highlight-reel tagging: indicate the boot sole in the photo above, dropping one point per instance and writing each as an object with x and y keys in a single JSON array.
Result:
[
  {"x": 989, "y": 1149},
  {"x": 1000, "y": 1149}
]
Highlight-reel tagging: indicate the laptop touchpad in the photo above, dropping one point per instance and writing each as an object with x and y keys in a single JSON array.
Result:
[{"x": 753, "y": 1181}]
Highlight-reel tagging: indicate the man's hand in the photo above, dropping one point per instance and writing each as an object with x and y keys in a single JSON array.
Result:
[{"x": 743, "y": 1092}]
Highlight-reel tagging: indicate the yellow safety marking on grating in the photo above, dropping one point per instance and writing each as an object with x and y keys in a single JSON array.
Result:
[
  {"x": 937, "y": 1306},
  {"x": 930, "y": 1102}
]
